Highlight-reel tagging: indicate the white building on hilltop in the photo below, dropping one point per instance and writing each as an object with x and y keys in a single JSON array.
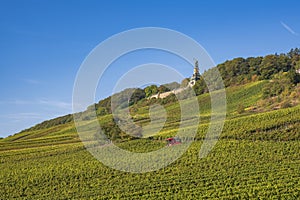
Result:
[{"x": 195, "y": 77}]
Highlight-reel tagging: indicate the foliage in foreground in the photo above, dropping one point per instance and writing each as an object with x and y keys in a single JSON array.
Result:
[{"x": 257, "y": 156}]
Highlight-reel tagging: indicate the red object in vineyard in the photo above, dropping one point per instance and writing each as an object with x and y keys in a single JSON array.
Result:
[{"x": 173, "y": 141}]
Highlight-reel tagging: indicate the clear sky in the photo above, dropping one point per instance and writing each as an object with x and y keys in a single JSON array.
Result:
[{"x": 43, "y": 43}]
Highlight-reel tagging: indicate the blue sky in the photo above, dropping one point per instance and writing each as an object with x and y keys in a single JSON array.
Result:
[{"x": 43, "y": 43}]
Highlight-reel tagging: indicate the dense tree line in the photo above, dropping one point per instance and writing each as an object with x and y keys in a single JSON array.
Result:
[
  {"x": 240, "y": 70},
  {"x": 281, "y": 70},
  {"x": 52, "y": 122}
]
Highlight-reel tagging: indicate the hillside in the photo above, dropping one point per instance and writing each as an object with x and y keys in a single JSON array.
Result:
[
  {"x": 282, "y": 72},
  {"x": 257, "y": 156},
  {"x": 251, "y": 93}
]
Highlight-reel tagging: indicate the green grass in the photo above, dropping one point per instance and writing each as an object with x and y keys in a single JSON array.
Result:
[{"x": 256, "y": 157}]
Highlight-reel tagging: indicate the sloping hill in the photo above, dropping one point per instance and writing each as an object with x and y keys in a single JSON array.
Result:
[
  {"x": 248, "y": 94},
  {"x": 257, "y": 156}
]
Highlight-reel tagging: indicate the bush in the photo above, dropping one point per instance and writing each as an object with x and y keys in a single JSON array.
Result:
[
  {"x": 240, "y": 109},
  {"x": 285, "y": 104}
]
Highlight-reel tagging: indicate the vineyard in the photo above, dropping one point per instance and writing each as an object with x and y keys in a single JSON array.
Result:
[{"x": 256, "y": 157}]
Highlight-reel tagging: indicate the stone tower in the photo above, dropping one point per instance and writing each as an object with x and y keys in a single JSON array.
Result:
[{"x": 196, "y": 75}]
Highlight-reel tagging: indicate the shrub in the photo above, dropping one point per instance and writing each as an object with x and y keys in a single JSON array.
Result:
[{"x": 240, "y": 109}]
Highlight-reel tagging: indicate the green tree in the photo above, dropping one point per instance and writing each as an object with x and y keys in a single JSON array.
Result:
[
  {"x": 184, "y": 82},
  {"x": 151, "y": 90},
  {"x": 272, "y": 64},
  {"x": 281, "y": 82},
  {"x": 137, "y": 95},
  {"x": 269, "y": 66},
  {"x": 294, "y": 53},
  {"x": 293, "y": 76},
  {"x": 200, "y": 87},
  {"x": 254, "y": 63},
  {"x": 162, "y": 89},
  {"x": 172, "y": 86}
]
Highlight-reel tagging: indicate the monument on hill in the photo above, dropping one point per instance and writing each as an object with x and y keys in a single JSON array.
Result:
[{"x": 196, "y": 75}]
